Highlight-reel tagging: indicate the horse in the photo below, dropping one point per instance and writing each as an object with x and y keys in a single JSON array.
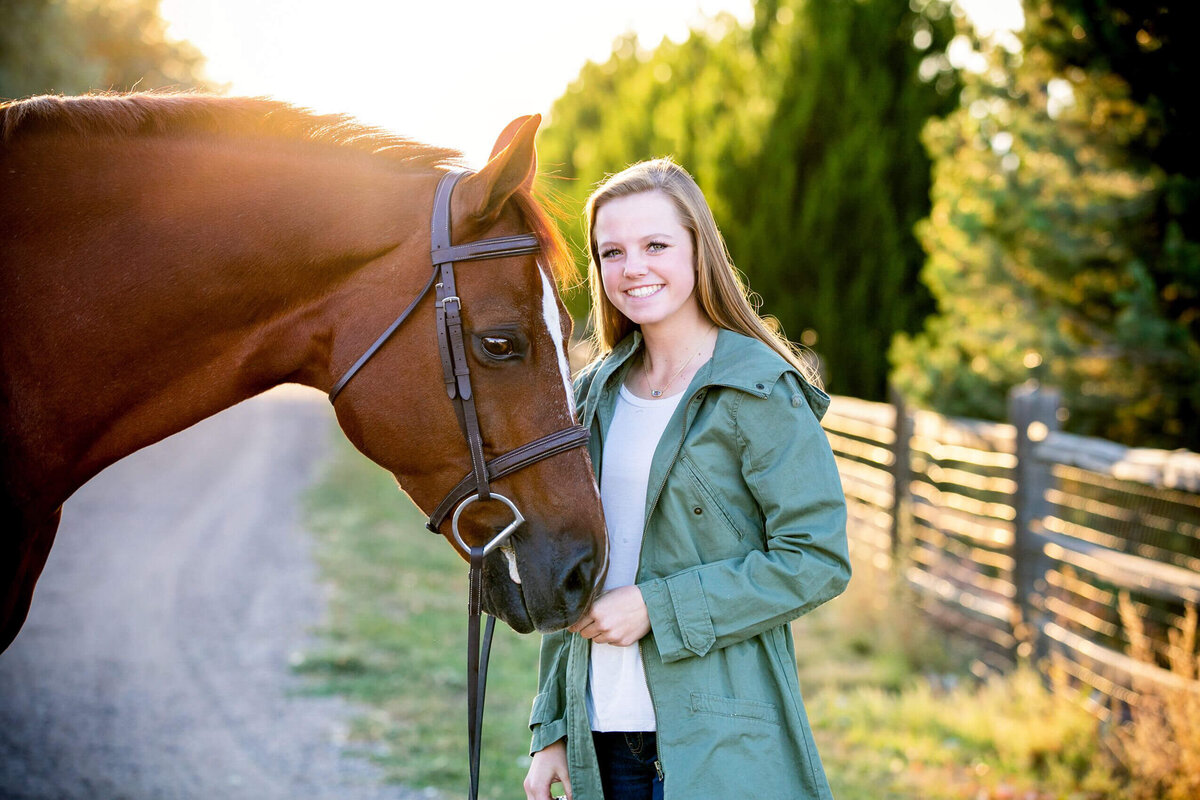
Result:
[{"x": 166, "y": 256}]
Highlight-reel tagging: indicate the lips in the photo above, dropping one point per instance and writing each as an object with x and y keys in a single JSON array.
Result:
[{"x": 644, "y": 291}]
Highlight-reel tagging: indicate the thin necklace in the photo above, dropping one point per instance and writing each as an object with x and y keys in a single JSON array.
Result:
[{"x": 646, "y": 373}]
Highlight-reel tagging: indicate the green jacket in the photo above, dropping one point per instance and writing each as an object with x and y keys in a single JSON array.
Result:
[{"x": 745, "y": 531}]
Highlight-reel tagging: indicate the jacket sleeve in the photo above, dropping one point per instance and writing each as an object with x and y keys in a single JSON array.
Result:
[
  {"x": 548, "y": 719},
  {"x": 788, "y": 465}
]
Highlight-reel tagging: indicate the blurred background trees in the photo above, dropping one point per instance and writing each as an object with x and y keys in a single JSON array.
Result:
[
  {"x": 804, "y": 131},
  {"x": 916, "y": 203},
  {"x": 76, "y": 46},
  {"x": 1063, "y": 239}
]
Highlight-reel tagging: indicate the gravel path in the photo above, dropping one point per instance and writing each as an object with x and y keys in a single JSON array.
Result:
[{"x": 155, "y": 660}]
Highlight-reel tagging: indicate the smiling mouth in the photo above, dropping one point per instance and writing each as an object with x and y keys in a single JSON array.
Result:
[{"x": 644, "y": 291}]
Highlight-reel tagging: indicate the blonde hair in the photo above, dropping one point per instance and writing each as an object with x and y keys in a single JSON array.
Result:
[{"x": 721, "y": 289}]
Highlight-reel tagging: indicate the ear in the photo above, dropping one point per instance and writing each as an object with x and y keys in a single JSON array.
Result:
[{"x": 513, "y": 165}]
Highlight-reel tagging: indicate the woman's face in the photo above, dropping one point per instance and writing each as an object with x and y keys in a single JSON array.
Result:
[{"x": 647, "y": 260}]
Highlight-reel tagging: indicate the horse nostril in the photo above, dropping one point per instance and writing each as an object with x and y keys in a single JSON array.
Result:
[{"x": 576, "y": 581}]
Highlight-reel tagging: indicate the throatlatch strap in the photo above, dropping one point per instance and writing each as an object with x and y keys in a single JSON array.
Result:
[{"x": 395, "y": 326}]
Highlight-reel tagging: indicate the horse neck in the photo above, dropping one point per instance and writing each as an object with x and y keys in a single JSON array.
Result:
[{"x": 193, "y": 275}]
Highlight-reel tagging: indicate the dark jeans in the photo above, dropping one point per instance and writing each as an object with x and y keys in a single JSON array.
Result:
[{"x": 628, "y": 765}]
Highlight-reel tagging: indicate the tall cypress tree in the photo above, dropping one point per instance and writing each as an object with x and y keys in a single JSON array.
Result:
[
  {"x": 826, "y": 212},
  {"x": 1058, "y": 243}
]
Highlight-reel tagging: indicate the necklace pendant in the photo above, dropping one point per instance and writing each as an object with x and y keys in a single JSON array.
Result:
[{"x": 654, "y": 393}]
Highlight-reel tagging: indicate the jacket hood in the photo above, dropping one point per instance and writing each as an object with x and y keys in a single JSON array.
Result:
[{"x": 738, "y": 361}]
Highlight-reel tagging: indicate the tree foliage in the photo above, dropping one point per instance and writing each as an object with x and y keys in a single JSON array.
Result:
[
  {"x": 692, "y": 101},
  {"x": 1062, "y": 236},
  {"x": 803, "y": 131},
  {"x": 77, "y": 46},
  {"x": 823, "y": 213}
]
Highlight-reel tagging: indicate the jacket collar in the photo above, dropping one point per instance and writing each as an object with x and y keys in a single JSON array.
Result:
[{"x": 738, "y": 361}]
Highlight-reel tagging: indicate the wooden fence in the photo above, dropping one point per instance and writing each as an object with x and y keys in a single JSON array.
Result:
[{"x": 1022, "y": 537}]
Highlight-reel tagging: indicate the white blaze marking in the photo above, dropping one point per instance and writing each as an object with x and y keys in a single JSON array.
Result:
[{"x": 554, "y": 324}]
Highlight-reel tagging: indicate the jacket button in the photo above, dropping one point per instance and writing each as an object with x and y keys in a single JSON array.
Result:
[
  {"x": 759, "y": 386},
  {"x": 697, "y": 510},
  {"x": 796, "y": 400}
]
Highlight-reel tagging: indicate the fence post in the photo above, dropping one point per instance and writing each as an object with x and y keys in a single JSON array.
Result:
[
  {"x": 1034, "y": 412},
  {"x": 901, "y": 467}
]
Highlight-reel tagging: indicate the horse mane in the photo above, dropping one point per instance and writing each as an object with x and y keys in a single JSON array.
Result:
[
  {"x": 180, "y": 114},
  {"x": 165, "y": 114}
]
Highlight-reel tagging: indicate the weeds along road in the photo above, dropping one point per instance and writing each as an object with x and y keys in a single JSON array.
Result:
[{"x": 154, "y": 663}]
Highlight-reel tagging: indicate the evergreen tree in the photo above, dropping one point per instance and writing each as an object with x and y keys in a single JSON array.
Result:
[
  {"x": 686, "y": 100},
  {"x": 824, "y": 213},
  {"x": 1057, "y": 244},
  {"x": 803, "y": 131},
  {"x": 76, "y": 46}
]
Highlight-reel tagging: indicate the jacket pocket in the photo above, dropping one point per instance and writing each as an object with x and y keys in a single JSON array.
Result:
[
  {"x": 734, "y": 707},
  {"x": 709, "y": 495}
]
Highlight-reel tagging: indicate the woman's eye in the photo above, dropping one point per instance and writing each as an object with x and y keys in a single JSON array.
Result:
[
  {"x": 498, "y": 346},
  {"x": 606, "y": 254},
  {"x": 654, "y": 247}
]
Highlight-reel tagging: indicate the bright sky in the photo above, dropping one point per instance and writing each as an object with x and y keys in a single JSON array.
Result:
[{"x": 447, "y": 72}]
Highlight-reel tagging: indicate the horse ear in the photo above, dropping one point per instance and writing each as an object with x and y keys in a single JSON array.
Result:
[
  {"x": 509, "y": 133},
  {"x": 513, "y": 166}
]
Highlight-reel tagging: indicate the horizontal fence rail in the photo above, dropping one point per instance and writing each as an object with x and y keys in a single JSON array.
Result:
[{"x": 1024, "y": 538}]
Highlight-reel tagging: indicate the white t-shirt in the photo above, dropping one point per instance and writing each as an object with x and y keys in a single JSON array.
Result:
[{"x": 618, "y": 699}]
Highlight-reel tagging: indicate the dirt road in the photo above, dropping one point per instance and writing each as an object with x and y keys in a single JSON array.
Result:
[{"x": 155, "y": 662}]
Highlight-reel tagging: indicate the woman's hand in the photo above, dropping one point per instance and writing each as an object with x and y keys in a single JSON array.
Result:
[
  {"x": 548, "y": 768},
  {"x": 618, "y": 617}
]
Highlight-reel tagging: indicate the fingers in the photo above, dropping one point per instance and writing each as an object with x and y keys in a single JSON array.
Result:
[
  {"x": 536, "y": 789},
  {"x": 540, "y": 788},
  {"x": 549, "y": 767},
  {"x": 618, "y": 617}
]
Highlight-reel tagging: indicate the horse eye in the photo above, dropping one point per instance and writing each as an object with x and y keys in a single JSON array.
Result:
[{"x": 498, "y": 346}]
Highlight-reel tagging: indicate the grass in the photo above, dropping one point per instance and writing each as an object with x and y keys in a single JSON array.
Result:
[
  {"x": 898, "y": 714},
  {"x": 1159, "y": 746},
  {"x": 895, "y": 709},
  {"x": 396, "y": 640}
]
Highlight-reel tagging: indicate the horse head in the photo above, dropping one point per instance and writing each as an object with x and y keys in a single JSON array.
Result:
[{"x": 400, "y": 408}]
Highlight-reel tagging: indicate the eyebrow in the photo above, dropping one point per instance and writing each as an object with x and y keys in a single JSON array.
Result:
[{"x": 644, "y": 238}]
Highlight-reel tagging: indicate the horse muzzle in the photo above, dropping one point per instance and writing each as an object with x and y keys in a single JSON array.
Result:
[{"x": 529, "y": 588}]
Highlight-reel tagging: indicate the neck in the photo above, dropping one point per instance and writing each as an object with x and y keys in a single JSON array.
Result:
[
  {"x": 671, "y": 342},
  {"x": 674, "y": 351},
  {"x": 140, "y": 324}
]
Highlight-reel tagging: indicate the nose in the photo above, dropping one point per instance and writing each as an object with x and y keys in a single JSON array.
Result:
[{"x": 634, "y": 267}]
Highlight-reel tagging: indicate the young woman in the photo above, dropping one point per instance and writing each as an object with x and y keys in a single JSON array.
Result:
[{"x": 726, "y": 521}]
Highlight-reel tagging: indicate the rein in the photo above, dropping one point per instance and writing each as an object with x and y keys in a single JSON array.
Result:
[{"x": 456, "y": 375}]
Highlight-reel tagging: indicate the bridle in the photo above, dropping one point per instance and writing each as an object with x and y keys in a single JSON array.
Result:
[{"x": 476, "y": 486}]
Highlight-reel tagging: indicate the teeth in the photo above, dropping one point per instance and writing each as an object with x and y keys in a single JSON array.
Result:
[
  {"x": 644, "y": 291},
  {"x": 511, "y": 556}
]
